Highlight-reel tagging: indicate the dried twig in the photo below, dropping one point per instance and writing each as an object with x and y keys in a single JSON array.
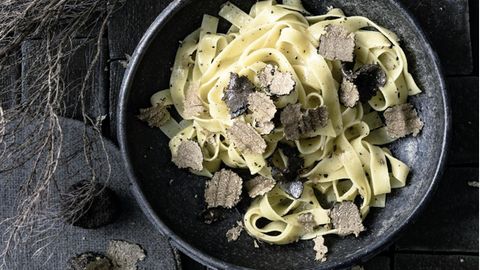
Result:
[{"x": 30, "y": 131}]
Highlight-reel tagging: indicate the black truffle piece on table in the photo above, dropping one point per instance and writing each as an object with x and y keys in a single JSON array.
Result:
[
  {"x": 89, "y": 261},
  {"x": 101, "y": 205}
]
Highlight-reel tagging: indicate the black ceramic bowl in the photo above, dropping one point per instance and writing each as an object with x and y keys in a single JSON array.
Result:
[{"x": 173, "y": 198}]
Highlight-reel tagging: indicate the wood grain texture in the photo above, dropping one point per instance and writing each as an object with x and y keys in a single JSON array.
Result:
[
  {"x": 435, "y": 262},
  {"x": 74, "y": 71},
  {"x": 117, "y": 69},
  {"x": 450, "y": 222},
  {"x": 464, "y": 101},
  {"x": 129, "y": 23},
  {"x": 446, "y": 24}
]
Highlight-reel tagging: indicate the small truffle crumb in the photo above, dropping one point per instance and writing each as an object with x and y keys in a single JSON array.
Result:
[
  {"x": 89, "y": 260},
  {"x": 307, "y": 221},
  {"x": 189, "y": 155},
  {"x": 125, "y": 255},
  {"x": 337, "y": 44},
  {"x": 298, "y": 123},
  {"x": 262, "y": 107},
  {"x": 346, "y": 218},
  {"x": 348, "y": 95},
  {"x": 193, "y": 105},
  {"x": 246, "y": 138},
  {"x": 234, "y": 233},
  {"x": 212, "y": 215},
  {"x": 224, "y": 189},
  {"x": 276, "y": 82},
  {"x": 402, "y": 120},
  {"x": 320, "y": 248},
  {"x": 473, "y": 183},
  {"x": 236, "y": 94},
  {"x": 259, "y": 185},
  {"x": 155, "y": 116}
]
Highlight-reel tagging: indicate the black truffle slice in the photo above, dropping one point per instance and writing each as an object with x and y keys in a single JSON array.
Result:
[
  {"x": 348, "y": 95},
  {"x": 402, "y": 120},
  {"x": 155, "y": 116},
  {"x": 100, "y": 206},
  {"x": 276, "y": 82},
  {"x": 245, "y": 138},
  {"x": 298, "y": 123},
  {"x": 224, "y": 189},
  {"x": 236, "y": 94},
  {"x": 259, "y": 185},
  {"x": 366, "y": 81},
  {"x": 89, "y": 261},
  {"x": 337, "y": 44},
  {"x": 292, "y": 188},
  {"x": 346, "y": 219}
]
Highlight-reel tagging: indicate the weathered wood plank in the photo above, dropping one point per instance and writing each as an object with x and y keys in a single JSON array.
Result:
[
  {"x": 435, "y": 262},
  {"x": 9, "y": 84},
  {"x": 446, "y": 23},
  {"x": 464, "y": 101},
  {"x": 129, "y": 23},
  {"x": 117, "y": 70},
  {"x": 73, "y": 73},
  {"x": 450, "y": 222}
]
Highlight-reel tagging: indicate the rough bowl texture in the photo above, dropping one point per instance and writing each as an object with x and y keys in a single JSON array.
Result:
[{"x": 173, "y": 198}]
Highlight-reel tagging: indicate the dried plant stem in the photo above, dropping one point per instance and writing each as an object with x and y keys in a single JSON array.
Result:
[{"x": 31, "y": 134}]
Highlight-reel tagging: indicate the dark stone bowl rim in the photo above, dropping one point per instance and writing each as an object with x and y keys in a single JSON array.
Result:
[{"x": 197, "y": 254}]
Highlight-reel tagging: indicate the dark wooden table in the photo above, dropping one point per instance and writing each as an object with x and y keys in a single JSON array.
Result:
[{"x": 446, "y": 234}]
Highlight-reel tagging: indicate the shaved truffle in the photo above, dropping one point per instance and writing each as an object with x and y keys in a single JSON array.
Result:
[
  {"x": 307, "y": 221},
  {"x": 234, "y": 233},
  {"x": 193, "y": 105},
  {"x": 367, "y": 80},
  {"x": 155, "y": 116},
  {"x": 298, "y": 123},
  {"x": 261, "y": 106},
  {"x": 263, "y": 110},
  {"x": 276, "y": 82},
  {"x": 346, "y": 218},
  {"x": 89, "y": 261},
  {"x": 259, "y": 185},
  {"x": 320, "y": 248},
  {"x": 290, "y": 118},
  {"x": 212, "y": 215},
  {"x": 402, "y": 120},
  {"x": 246, "y": 139},
  {"x": 125, "y": 255},
  {"x": 348, "y": 95},
  {"x": 337, "y": 44},
  {"x": 223, "y": 189},
  {"x": 292, "y": 188},
  {"x": 189, "y": 155},
  {"x": 236, "y": 94}
]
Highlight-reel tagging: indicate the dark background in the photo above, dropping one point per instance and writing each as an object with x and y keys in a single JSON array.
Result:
[{"x": 446, "y": 234}]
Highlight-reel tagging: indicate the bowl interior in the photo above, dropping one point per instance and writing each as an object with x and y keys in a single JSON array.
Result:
[{"x": 176, "y": 196}]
